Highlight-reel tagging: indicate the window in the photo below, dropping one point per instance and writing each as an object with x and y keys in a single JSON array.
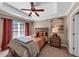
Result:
[{"x": 18, "y": 29}]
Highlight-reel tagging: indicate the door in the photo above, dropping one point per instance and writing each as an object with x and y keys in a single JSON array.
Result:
[{"x": 76, "y": 35}]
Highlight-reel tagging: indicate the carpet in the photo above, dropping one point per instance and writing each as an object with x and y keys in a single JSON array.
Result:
[{"x": 50, "y": 51}]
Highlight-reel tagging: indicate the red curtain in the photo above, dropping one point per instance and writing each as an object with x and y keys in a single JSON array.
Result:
[
  {"x": 7, "y": 33},
  {"x": 26, "y": 29}
]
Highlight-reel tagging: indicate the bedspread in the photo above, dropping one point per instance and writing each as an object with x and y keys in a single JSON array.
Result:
[{"x": 29, "y": 49}]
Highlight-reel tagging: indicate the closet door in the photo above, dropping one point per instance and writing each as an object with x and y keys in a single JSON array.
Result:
[{"x": 76, "y": 35}]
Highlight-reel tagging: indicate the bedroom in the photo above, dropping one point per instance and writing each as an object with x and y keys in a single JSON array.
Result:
[{"x": 16, "y": 26}]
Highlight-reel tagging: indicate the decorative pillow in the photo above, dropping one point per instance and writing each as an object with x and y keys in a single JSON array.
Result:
[
  {"x": 40, "y": 34},
  {"x": 44, "y": 33},
  {"x": 37, "y": 34}
]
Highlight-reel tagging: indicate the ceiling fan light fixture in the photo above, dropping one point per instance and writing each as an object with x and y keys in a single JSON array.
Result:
[
  {"x": 33, "y": 13},
  {"x": 33, "y": 10}
]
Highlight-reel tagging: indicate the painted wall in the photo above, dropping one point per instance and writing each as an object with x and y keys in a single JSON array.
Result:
[
  {"x": 41, "y": 24},
  {"x": 65, "y": 40},
  {"x": 31, "y": 28},
  {"x": 1, "y": 31}
]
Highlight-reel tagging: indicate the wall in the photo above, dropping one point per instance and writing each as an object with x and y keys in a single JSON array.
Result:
[
  {"x": 65, "y": 40},
  {"x": 31, "y": 28},
  {"x": 1, "y": 31},
  {"x": 40, "y": 24}
]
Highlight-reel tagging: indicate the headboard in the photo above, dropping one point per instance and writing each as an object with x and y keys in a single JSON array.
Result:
[{"x": 41, "y": 30}]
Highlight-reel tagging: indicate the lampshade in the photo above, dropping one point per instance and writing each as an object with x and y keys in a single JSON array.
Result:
[
  {"x": 55, "y": 29},
  {"x": 33, "y": 13}
]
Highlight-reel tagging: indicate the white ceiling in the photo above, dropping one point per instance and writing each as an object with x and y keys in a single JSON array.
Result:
[{"x": 52, "y": 9}]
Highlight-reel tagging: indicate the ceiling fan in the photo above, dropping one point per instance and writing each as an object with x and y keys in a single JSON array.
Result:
[{"x": 33, "y": 9}]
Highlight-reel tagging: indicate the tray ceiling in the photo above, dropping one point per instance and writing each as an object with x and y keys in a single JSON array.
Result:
[{"x": 52, "y": 9}]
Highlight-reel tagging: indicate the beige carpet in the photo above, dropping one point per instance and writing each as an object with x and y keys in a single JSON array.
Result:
[
  {"x": 4, "y": 53},
  {"x": 49, "y": 51}
]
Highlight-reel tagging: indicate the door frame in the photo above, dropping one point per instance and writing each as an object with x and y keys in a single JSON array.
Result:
[
  {"x": 75, "y": 40},
  {"x": 71, "y": 16}
]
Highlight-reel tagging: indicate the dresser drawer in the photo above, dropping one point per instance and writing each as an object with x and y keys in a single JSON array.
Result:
[
  {"x": 56, "y": 45},
  {"x": 56, "y": 42}
]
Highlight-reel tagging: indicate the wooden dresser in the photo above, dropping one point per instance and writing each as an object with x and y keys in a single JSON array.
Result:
[{"x": 55, "y": 40}]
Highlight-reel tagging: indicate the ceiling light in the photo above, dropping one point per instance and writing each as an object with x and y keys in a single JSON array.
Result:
[{"x": 33, "y": 13}]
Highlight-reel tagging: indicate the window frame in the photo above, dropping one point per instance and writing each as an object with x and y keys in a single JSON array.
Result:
[{"x": 19, "y": 30}]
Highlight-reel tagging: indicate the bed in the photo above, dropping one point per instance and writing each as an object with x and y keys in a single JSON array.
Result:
[
  {"x": 40, "y": 41},
  {"x": 28, "y": 46}
]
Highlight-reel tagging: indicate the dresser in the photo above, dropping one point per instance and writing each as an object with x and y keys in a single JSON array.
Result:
[{"x": 55, "y": 40}]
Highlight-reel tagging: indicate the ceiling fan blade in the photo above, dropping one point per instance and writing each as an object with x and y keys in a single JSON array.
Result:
[
  {"x": 26, "y": 9},
  {"x": 32, "y": 4},
  {"x": 37, "y": 14},
  {"x": 39, "y": 9},
  {"x": 30, "y": 13}
]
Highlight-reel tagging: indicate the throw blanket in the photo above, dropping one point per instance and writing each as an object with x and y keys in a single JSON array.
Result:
[
  {"x": 24, "y": 49},
  {"x": 33, "y": 48}
]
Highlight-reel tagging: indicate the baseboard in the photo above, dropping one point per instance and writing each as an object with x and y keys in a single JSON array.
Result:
[
  {"x": 64, "y": 45},
  {"x": 67, "y": 49}
]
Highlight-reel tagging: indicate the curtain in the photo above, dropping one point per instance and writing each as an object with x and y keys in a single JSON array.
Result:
[
  {"x": 7, "y": 33},
  {"x": 26, "y": 29}
]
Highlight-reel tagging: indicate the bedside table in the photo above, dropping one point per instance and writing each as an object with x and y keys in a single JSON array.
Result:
[{"x": 55, "y": 40}]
